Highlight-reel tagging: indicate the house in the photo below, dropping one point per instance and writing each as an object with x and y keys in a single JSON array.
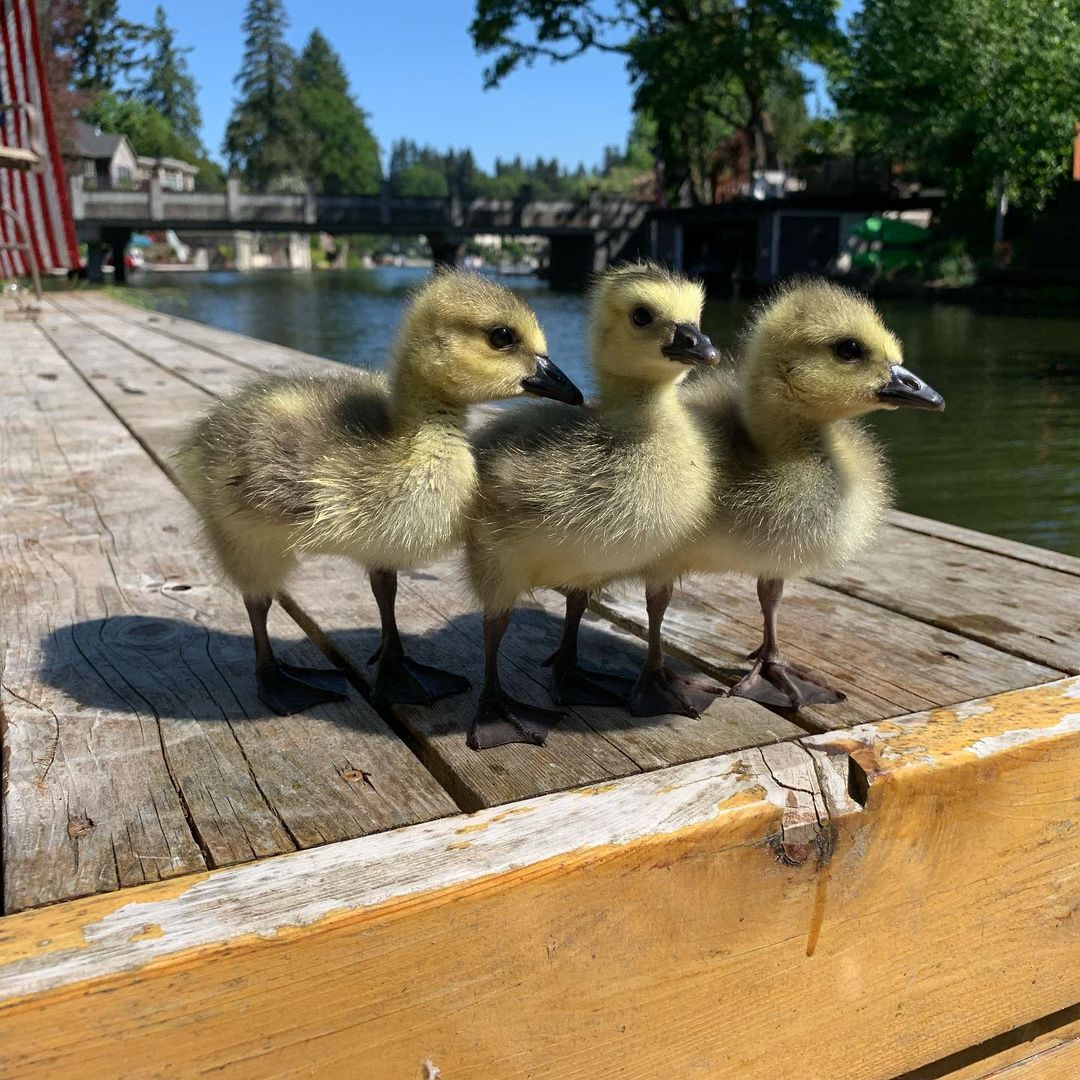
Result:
[
  {"x": 107, "y": 162},
  {"x": 172, "y": 173}
]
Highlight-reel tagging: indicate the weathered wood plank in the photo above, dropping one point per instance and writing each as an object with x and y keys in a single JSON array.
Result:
[
  {"x": 658, "y": 904},
  {"x": 1018, "y": 607},
  {"x": 1056, "y": 1061},
  {"x": 1048, "y": 1055},
  {"x": 256, "y": 355},
  {"x": 885, "y": 662},
  {"x": 157, "y": 655},
  {"x": 89, "y": 803},
  {"x": 1038, "y": 556},
  {"x": 594, "y": 745}
]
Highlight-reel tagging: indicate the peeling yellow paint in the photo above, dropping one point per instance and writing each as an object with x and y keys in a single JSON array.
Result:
[
  {"x": 596, "y": 789},
  {"x": 458, "y": 846},
  {"x": 931, "y": 739},
  {"x": 752, "y": 794},
  {"x": 62, "y": 927},
  {"x": 150, "y": 930},
  {"x": 480, "y": 826}
]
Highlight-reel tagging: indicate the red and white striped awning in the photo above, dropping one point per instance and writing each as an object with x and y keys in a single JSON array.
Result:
[{"x": 39, "y": 196}]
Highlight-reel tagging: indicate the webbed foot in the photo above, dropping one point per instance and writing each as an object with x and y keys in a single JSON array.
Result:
[
  {"x": 785, "y": 686},
  {"x": 332, "y": 679},
  {"x": 287, "y": 689},
  {"x": 401, "y": 681},
  {"x": 573, "y": 685},
  {"x": 501, "y": 721},
  {"x": 664, "y": 690}
]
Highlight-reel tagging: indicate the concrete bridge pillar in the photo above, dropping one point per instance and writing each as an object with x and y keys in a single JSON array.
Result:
[
  {"x": 232, "y": 197},
  {"x": 572, "y": 260},
  {"x": 245, "y": 250},
  {"x": 157, "y": 199},
  {"x": 95, "y": 262},
  {"x": 117, "y": 239},
  {"x": 445, "y": 248},
  {"x": 299, "y": 253}
]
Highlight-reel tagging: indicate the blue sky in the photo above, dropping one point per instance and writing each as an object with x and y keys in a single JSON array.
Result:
[{"x": 413, "y": 68}]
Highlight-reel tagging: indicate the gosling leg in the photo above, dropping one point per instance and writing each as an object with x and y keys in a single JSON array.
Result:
[
  {"x": 773, "y": 680},
  {"x": 398, "y": 679},
  {"x": 500, "y": 719},
  {"x": 660, "y": 690},
  {"x": 286, "y": 688},
  {"x": 573, "y": 685}
]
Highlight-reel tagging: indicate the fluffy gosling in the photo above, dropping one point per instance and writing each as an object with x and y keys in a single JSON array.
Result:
[
  {"x": 799, "y": 484},
  {"x": 375, "y": 467},
  {"x": 572, "y": 498}
]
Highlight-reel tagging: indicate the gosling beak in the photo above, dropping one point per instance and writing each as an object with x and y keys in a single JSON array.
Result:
[
  {"x": 690, "y": 346},
  {"x": 906, "y": 388},
  {"x": 549, "y": 381}
]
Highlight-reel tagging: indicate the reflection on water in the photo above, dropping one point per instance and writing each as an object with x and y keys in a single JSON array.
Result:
[{"x": 1004, "y": 457}]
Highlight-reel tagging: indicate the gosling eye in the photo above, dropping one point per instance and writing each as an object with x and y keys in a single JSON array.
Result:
[
  {"x": 501, "y": 337},
  {"x": 641, "y": 316},
  {"x": 848, "y": 349}
]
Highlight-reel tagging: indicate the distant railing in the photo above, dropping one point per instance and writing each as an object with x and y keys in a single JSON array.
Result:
[{"x": 380, "y": 213}]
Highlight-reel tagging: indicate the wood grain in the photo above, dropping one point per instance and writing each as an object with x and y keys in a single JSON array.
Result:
[
  {"x": 1038, "y": 556},
  {"x": 1021, "y": 608},
  {"x": 886, "y": 663},
  {"x": 135, "y": 746},
  {"x": 1050, "y": 1055},
  {"x": 653, "y": 926}
]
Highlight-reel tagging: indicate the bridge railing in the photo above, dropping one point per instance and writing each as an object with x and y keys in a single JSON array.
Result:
[{"x": 235, "y": 209}]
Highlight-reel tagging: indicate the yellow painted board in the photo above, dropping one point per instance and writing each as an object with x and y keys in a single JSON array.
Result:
[{"x": 740, "y": 916}]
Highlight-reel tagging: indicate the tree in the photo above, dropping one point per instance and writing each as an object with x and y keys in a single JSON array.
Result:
[
  {"x": 61, "y": 26},
  {"x": 104, "y": 47},
  {"x": 264, "y": 129},
  {"x": 701, "y": 69},
  {"x": 167, "y": 85},
  {"x": 979, "y": 94},
  {"x": 340, "y": 154},
  {"x": 417, "y": 172},
  {"x": 146, "y": 129}
]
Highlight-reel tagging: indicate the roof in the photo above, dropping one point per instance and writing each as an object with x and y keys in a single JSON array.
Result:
[
  {"x": 92, "y": 142},
  {"x": 148, "y": 162}
]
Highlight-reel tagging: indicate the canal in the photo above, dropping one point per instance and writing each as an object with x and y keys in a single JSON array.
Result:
[{"x": 1003, "y": 458}]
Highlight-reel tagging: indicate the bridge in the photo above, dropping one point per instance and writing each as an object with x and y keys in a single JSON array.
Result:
[{"x": 584, "y": 234}]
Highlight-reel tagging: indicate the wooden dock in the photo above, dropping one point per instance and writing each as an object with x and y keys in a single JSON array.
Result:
[{"x": 192, "y": 884}]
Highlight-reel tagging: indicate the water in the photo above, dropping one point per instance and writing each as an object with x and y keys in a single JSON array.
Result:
[{"x": 1003, "y": 458}]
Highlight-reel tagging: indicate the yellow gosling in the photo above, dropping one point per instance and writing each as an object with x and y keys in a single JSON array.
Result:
[
  {"x": 375, "y": 467},
  {"x": 573, "y": 498},
  {"x": 800, "y": 484}
]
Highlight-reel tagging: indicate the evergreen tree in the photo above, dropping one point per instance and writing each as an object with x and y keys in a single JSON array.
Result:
[
  {"x": 263, "y": 132},
  {"x": 104, "y": 47},
  {"x": 168, "y": 86},
  {"x": 340, "y": 155}
]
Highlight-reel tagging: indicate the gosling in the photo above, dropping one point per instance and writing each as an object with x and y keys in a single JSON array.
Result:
[
  {"x": 359, "y": 464},
  {"x": 572, "y": 498},
  {"x": 799, "y": 484}
]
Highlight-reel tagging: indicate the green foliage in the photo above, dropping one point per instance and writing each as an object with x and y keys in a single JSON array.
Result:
[
  {"x": 146, "y": 129},
  {"x": 424, "y": 171},
  {"x": 167, "y": 85},
  {"x": 967, "y": 91},
  {"x": 701, "y": 69},
  {"x": 631, "y": 171},
  {"x": 104, "y": 47},
  {"x": 340, "y": 154},
  {"x": 264, "y": 129}
]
